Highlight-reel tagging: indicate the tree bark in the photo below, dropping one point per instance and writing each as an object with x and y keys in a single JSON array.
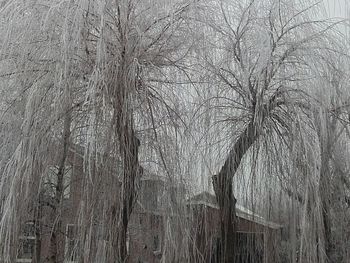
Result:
[
  {"x": 129, "y": 149},
  {"x": 327, "y": 140},
  {"x": 222, "y": 183},
  {"x": 324, "y": 190}
]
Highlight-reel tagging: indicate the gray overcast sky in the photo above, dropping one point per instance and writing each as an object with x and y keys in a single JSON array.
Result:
[{"x": 337, "y": 8}]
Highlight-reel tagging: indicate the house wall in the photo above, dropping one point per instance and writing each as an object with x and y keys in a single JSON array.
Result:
[
  {"x": 146, "y": 227},
  {"x": 68, "y": 211},
  {"x": 152, "y": 219},
  {"x": 146, "y": 234},
  {"x": 145, "y": 231},
  {"x": 205, "y": 232}
]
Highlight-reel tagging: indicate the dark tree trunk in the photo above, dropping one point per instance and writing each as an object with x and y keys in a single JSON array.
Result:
[
  {"x": 325, "y": 185},
  {"x": 325, "y": 192},
  {"x": 222, "y": 183},
  {"x": 129, "y": 149},
  {"x": 227, "y": 214}
]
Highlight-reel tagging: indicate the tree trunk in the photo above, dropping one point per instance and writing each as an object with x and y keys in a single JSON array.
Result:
[
  {"x": 129, "y": 149},
  {"x": 325, "y": 194},
  {"x": 222, "y": 183},
  {"x": 326, "y": 139}
]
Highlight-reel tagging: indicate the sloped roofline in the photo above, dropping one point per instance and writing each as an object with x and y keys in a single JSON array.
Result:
[{"x": 241, "y": 211}]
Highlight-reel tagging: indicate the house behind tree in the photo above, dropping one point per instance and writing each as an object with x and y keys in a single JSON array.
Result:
[{"x": 161, "y": 207}]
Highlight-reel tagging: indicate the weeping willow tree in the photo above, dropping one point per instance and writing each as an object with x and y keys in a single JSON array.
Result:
[
  {"x": 266, "y": 59},
  {"x": 87, "y": 74},
  {"x": 109, "y": 89}
]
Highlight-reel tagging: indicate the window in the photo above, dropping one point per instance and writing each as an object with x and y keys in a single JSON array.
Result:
[
  {"x": 127, "y": 243},
  {"x": 155, "y": 221},
  {"x": 156, "y": 243},
  {"x": 149, "y": 195},
  {"x": 101, "y": 232},
  {"x": 161, "y": 198},
  {"x": 71, "y": 246},
  {"x": 26, "y": 243},
  {"x": 50, "y": 182}
]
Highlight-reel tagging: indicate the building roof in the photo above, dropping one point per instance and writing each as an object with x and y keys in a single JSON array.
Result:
[
  {"x": 147, "y": 176},
  {"x": 207, "y": 199}
]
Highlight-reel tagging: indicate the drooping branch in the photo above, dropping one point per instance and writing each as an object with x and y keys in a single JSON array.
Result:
[{"x": 59, "y": 192}]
